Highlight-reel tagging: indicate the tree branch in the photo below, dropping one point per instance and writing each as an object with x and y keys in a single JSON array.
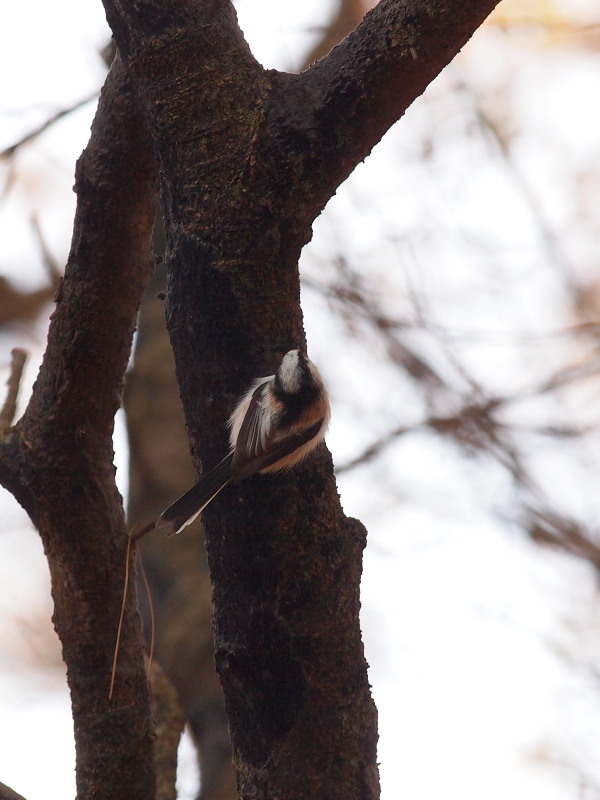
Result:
[
  {"x": 368, "y": 81},
  {"x": 9, "y": 151},
  {"x": 58, "y": 459},
  {"x": 6, "y": 793},
  {"x": 9, "y": 409},
  {"x": 244, "y": 157}
]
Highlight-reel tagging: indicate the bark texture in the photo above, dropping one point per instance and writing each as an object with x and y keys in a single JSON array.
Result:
[
  {"x": 159, "y": 470},
  {"x": 248, "y": 158},
  {"x": 58, "y": 460}
]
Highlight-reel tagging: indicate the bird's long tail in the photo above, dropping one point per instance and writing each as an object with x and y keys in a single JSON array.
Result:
[{"x": 195, "y": 500}]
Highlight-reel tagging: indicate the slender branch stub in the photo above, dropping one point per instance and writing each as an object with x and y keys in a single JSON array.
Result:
[{"x": 17, "y": 365}]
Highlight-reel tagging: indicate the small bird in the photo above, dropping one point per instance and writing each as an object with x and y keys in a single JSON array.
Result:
[{"x": 275, "y": 424}]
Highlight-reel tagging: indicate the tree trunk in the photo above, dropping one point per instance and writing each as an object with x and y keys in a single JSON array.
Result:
[
  {"x": 247, "y": 159},
  {"x": 58, "y": 460}
]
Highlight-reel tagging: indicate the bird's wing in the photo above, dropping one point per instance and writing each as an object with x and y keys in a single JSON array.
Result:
[
  {"x": 247, "y": 464},
  {"x": 256, "y": 433},
  {"x": 195, "y": 500}
]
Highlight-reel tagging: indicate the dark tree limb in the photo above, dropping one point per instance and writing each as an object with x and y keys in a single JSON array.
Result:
[
  {"x": 365, "y": 84},
  {"x": 6, "y": 793},
  {"x": 160, "y": 470},
  {"x": 58, "y": 460},
  {"x": 247, "y": 159}
]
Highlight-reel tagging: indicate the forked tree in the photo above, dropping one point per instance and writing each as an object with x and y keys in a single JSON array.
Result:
[{"x": 243, "y": 160}]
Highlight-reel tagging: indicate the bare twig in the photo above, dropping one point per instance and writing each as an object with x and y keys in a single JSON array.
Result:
[
  {"x": 8, "y": 152},
  {"x": 555, "y": 252},
  {"x": 376, "y": 447},
  {"x": 136, "y": 533},
  {"x": 354, "y": 294},
  {"x": 113, "y": 673},
  {"x": 141, "y": 530},
  {"x": 7, "y": 415}
]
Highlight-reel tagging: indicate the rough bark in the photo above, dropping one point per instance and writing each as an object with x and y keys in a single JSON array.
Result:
[
  {"x": 248, "y": 158},
  {"x": 58, "y": 460},
  {"x": 160, "y": 469}
]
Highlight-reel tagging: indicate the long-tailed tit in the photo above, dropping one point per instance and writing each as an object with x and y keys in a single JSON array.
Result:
[{"x": 275, "y": 424}]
